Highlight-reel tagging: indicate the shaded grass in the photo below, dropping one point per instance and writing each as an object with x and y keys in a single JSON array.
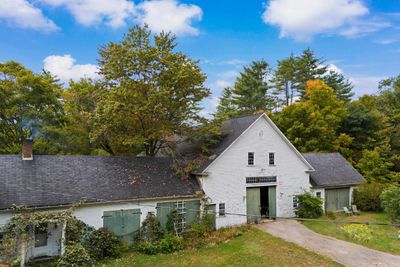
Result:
[
  {"x": 384, "y": 238},
  {"x": 253, "y": 248}
]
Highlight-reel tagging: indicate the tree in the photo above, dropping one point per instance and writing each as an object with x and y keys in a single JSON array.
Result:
[
  {"x": 308, "y": 67},
  {"x": 312, "y": 125},
  {"x": 250, "y": 92},
  {"x": 28, "y": 103},
  {"x": 341, "y": 85},
  {"x": 153, "y": 93},
  {"x": 226, "y": 109},
  {"x": 285, "y": 79},
  {"x": 391, "y": 202}
]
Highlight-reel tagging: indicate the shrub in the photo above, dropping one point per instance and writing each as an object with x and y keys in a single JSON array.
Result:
[
  {"x": 367, "y": 197},
  {"x": 150, "y": 230},
  {"x": 103, "y": 244},
  {"x": 358, "y": 232},
  {"x": 75, "y": 255},
  {"x": 168, "y": 244},
  {"x": 309, "y": 206},
  {"x": 172, "y": 221},
  {"x": 196, "y": 233},
  {"x": 77, "y": 232},
  {"x": 391, "y": 202},
  {"x": 331, "y": 215}
]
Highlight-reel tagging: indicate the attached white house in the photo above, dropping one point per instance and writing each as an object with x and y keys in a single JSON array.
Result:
[{"x": 253, "y": 172}]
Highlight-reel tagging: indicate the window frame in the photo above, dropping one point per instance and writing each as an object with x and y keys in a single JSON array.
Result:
[
  {"x": 271, "y": 159},
  {"x": 295, "y": 202},
  {"x": 221, "y": 211},
  {"x": 318, "y": 194},
  {"x": 41, "y": 234},
  {"x": 251, "y": 157}
]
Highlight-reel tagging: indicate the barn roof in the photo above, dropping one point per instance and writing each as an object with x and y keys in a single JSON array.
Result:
[
  {"x": 64, "y": 180},
  {"x": 332, "y": 169}
]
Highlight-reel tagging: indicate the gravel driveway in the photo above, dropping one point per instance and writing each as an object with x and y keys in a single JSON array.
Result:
[{"x": 343, "y": 252}]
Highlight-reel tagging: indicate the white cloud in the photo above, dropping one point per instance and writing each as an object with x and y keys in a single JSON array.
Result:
[
  {"x": 235, "y": 62},
  {"x": 221, "y": 84},
  {"x": 169, "y": 15},
  {"x": 22, "y": 14},
  {"x": 334, "y": 68},
  {"x": 302, "y": 19},
  {"x": 65, "y": 69},
  {"x": 93, "y": 12},
  {"x": 365, "y": 84},
  {"x": 363, "y": 27}
]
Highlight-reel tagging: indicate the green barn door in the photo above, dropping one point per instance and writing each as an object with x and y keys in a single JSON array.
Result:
[
  {"x": 163, "y": 210},
  {"x": 336, "y": 199},
  {"x": 272, "y": 201},
  {"x": 192, "y": 211},
  {"x": 253, "y": 204},
  {"x": 123, "y": 223},
  {"x": 211, "y": 211}
]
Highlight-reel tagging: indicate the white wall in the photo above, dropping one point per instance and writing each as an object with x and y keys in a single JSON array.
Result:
[{"x": 226, "y": 180}]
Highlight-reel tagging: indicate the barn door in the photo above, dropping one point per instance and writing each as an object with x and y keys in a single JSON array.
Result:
[
  {"x": 272, "y": 201},
  {"x": 211, "y": 211},
  {"x": 123, "y": 223},
  {"x": 336, "y": 199},
  {"x": 253, "y": 204}
]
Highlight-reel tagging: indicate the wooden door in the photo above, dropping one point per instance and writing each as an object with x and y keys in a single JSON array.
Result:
[
  {"x": 123, "y": 223},
  {"x": 272, "y": 201},
  {"x": 253, "y": 204},
  {"x": 337, "y": 198}
]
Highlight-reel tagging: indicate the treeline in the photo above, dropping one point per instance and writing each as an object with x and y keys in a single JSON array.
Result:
[
  {"x": 314, "y": 108},
  {"x": 149, "y": 95}
]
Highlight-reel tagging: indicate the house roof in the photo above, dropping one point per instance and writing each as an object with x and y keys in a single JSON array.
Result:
[
  {"x": 64, "y": 180},
  {"x": 233, "y": 128},
  {"x": 332, "y": 169}
]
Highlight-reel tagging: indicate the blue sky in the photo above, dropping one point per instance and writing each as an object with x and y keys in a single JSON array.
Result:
[{"x": 360, "y": 38}]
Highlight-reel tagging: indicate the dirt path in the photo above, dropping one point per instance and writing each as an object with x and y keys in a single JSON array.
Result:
[{"x": 343, "y": 252}]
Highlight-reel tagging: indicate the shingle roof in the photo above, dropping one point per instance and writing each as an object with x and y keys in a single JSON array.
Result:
[
  {"x": 231, "y": 129},
  {"x": 332, "y": 169},
  {"x": 63, "y": 180}
]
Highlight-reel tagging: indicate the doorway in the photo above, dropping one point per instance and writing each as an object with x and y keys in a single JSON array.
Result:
[
  {"x": 264, "y": 201},
  {"x": 261, "y": 202}
]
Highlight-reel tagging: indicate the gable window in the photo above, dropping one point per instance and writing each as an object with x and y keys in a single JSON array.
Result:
[
  {"x": 221, "y": 209},
  {"x": 295, "y": 202},
  {"x": 271, "y": 158},
  {"x": 250, "y": 158},
  {"x": 41, "y": 236}
]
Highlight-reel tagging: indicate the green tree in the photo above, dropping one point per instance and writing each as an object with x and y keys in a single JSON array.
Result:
[
  {"x": 312, "y": 125},
  {"x": 340, "y": 84},
  {"x": 153, "y": 93},
  {"x": 28, "y": 103},
  {"x": 226, "y": 109},
  {"x": 391, "y": 202},
  {"x": 251, "y": 89},
  {"x": 285, "y": 79}
]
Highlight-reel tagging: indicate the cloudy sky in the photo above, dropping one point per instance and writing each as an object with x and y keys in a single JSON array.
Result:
[{"x": 360, "y": 38}]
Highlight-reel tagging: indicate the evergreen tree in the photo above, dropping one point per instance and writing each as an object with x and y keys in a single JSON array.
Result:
[
  {"x": 285, "y": 79},
  {"x": 341, "y": 85},
  {"x": 251, "y": 89},
  {"x": 226, "y": 108}
]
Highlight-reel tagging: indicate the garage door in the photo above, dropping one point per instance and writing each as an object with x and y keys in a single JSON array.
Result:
[
  {"x": 337, "y": 198},
  {"x": 123, "y": 223}
]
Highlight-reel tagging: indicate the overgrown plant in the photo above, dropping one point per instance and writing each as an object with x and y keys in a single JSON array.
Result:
[
  {"x": 309, "y": 206},
  {"x": 367, "y": 196},
  {"x": 391, "y": 202},
  {"x": 358, "y": 232},
  {"x": 150, "y": 230},
  {"x": 103, "y": 244}
]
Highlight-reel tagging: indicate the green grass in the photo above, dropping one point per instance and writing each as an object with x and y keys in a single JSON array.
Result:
[
  {"x": 253, "y": 248},
  {"x": 384, "y": 238}
]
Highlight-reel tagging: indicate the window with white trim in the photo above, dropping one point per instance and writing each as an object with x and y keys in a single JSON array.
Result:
[
  {"x": 250, "y": 158},
  {"x": 221, "y": 210},
  {"x": 318, "y": 194},
  {"x": 271, "y": 158},
  {"x": 181, "y": 218},
  {"x": 295, "y": 202}
]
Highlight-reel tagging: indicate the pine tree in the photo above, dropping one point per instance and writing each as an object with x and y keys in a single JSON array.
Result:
[
  {"x": 226, "y": 108},
  {"x": 285, "y": 79},
  {"x": 340, "y": 84}
]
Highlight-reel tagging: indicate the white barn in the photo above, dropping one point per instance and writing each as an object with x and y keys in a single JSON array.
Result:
[{"x": 254, "y": 172}]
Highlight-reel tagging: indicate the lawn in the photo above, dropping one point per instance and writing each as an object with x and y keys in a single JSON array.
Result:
[
  {"x": 253, "y": 248},
  {"x": 384, "y": 238}
]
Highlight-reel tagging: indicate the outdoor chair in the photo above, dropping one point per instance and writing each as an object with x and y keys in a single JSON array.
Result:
[
  {"x": 347, "y": 212},
  {"x": 355, "y": 210}
]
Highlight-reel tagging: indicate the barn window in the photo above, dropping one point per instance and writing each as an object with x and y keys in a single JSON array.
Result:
[
  {"x": 271, "y": 158},
  {"x": 41, "y": 236},
  {"x": 295, "y": 202},
  {"x": 318, "y": 194},
  {"x": 250, "y": 158},
  {"x": 221, "y": 209}
]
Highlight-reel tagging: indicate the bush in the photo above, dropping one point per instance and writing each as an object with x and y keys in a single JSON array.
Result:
[
  {"x": 150, "y": 230},
  {"x": 367, "y": 197},
  {"x": 103, "y": 244},
  {"x": 168, "y": 244},
  {"x": 75, "y": 255},
  {"x": 391, "y": 202},
  {"x": 358, "y": 232},
  {"x": 172, "y": 220},
  {"x": 196, "y": 233},
  {"x": 331, "y": 215},
  {"x": 77, "y": 232},
  {"x": 309, "y": 206}
]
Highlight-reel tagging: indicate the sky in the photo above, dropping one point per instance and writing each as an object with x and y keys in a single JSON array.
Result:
[{"x": 359, "y": 38}]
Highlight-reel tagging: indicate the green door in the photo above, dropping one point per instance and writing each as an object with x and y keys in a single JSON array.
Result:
[
  {"x": 272, "y": 201},
  {"x": 123, "y": 223},
  {"x": 253, "y": 204},
  {"x": 211, "y": 211},
  {"x": 163, "y": 210},
  {"x": 337, "y": 198},
  {"x": 192, "y": 211}
]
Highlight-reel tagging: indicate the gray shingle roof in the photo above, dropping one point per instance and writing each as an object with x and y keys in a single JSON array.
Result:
[
  {"x": 63, "y": 180},
  {"x": 231, "y": 129},
  {"x": 332, "y": 169}
]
